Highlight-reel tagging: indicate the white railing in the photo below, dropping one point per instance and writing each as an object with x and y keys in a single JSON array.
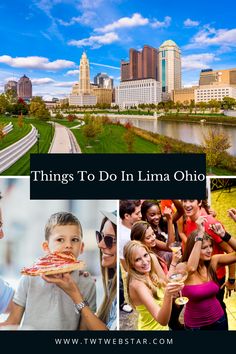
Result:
[{"x": 14, "y": 152}]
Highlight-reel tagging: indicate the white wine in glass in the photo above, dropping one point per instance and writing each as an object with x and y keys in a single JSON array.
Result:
[
  {"x": 179, "y": 277},
  {"x": 175, "y": 246}
]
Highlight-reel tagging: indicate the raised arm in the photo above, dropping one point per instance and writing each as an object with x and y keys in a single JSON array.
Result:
[
  {"x": 179, "y": 210},
  {"x": 225, "y": 236},
  {"x": 160, "y": 313},
  {"x": 193, "y": 261},
  {"x": 171, "y": 235}
]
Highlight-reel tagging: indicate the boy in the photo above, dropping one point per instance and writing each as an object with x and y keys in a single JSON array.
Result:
[{"x": 44, "y": 305}]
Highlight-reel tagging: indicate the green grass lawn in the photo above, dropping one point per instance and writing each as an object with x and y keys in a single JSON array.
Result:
[
  {"x": 111, "y": 140},
  {"x": 22, "y": 166},
  {"x": 15, "y": 134}
]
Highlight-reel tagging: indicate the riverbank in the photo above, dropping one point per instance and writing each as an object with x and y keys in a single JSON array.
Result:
[
  {"x": 203, "y": 118},
  {"x": 112, "y": 139}
]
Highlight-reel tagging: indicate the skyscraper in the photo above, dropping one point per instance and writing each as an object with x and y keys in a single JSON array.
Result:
[
  {"x": 142, "y": 64},
  {"x": 10, "y": 85},
  {"x": 24, "y": 88},
  {"x": 102, "y": 80},
  {"x": 169, "y": 67},
  {"x": 81, "y": 92},
  {"x": 84, "y": 79}
]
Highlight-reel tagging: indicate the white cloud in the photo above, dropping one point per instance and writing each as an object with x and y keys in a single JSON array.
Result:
[
  {"x": 87, "y": 18},
  {"x": 95, "y": 41},
  {"x": 42, "y": 81},
  {"x": 106, "y": 66},
  {"x": 191, "y": 23},
  {"x": 72, "y": 72},
  {"x": 212, "y": 37},
  {"x": 34, "y": 62},
  {"x": 163, "y": 24},
  {"x": 90, "y": 4},
  {"x": 125, "y": 22},
  {"x": 65, "y": 84},
  {"x": 198, "y": 61}
]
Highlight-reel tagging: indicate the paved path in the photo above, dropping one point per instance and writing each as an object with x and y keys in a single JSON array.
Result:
[{"x": 64, "y": 141}]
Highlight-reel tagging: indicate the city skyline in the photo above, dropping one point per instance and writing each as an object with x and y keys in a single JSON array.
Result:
[{"x": 44, "y": 39}]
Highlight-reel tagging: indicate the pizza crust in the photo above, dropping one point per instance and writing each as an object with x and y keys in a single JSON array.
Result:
[{"x": 67, "y": 268}]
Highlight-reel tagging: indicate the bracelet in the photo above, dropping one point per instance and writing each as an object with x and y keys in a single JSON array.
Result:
[
  {"x": 226, "y": 237},
  {"x": 231, "y": 281},
  {"x": 198, "y": 238},
  {"x": 173, "y": 265},
  {"x": 80, "y": 306}
]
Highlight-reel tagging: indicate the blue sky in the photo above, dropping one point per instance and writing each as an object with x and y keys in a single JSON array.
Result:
[{"x": 44, "y": 39}]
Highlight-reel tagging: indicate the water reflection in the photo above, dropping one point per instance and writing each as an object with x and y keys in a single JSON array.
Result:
[{"x": 187, "y": 132}]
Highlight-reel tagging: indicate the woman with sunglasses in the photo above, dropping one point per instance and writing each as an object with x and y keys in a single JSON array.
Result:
[{"x": 105, "y": 319}]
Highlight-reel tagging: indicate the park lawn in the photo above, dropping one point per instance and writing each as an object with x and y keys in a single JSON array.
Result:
[
  {"x": 111, "y": 140},
  {"x": 15, "y": 134},
  {"x": 22, "y": 166}
]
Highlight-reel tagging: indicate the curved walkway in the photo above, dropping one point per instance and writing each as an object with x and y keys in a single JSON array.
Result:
[{"x": 64, "y": 141}]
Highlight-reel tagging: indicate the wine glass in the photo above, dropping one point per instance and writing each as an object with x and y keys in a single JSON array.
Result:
[
  {"x": 175, "y": 246},
  {"x": 179, "y": 276}
]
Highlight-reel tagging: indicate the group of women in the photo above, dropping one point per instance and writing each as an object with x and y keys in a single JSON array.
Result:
[{"x": 156, "y": 275}]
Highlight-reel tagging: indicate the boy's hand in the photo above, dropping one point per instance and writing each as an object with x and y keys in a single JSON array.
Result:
[{"x": 217, "y": 229}]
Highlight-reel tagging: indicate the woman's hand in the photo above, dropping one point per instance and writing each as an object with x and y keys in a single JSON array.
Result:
[
  {"x": 176, "y": 256},
  {"x": 200, "y": 224},
  {"x": 167, "y": 213},
  {"x": 172, "y": 289}
]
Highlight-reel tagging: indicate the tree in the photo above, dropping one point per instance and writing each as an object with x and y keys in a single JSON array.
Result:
[
  {"x": 214, "y": 105},
  {"x": 228, "y": 102},
  {"x": 3, "y": 103},
  {"x": 2, "y": 134},
  {"x": 20, "y": 121},
  {"x": 38, "y": 109},
  {"x": 129, "y": 140},
  {"x": 215, "y": 144}
]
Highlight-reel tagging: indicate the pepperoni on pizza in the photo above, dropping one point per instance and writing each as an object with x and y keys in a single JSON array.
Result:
[{"x": 54, "y": 263}]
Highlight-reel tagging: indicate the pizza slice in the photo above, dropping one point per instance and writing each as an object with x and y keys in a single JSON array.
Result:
[{"x": 54, "y": 263}]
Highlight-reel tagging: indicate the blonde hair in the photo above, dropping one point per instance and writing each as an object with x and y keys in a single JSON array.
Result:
[
  {"x": 152, "y": 282},
  {"x": 109, "y": 279}
]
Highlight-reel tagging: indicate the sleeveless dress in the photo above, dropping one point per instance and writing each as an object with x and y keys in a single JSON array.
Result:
[{"x": 145, "y": 320}]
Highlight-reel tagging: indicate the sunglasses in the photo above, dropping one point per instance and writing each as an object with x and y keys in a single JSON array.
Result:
[{"x": 109, "y": 240}]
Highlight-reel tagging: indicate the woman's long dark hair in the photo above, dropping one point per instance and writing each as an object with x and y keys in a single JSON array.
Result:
[{"x": 189, "y": 247}]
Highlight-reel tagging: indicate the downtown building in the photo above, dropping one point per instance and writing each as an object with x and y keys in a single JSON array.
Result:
[
  {"x": 24, "y": 88},
  {"x": 102, "y": 80},
  {"x": 11, "y": 85},
  {"x": 169, "y": 69},
  {"x": 142, "y": 64},
  {"x": 134, "y": 92},
  {"x": 81, "y": 92}
]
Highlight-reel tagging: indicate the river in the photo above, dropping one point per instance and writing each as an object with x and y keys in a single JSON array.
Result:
[{"x": 187, "y": 132}]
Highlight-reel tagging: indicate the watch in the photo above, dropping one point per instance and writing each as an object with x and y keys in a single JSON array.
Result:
[
  {"x": 198, "y": 238},
  {"x": 80, "y": 306}
]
